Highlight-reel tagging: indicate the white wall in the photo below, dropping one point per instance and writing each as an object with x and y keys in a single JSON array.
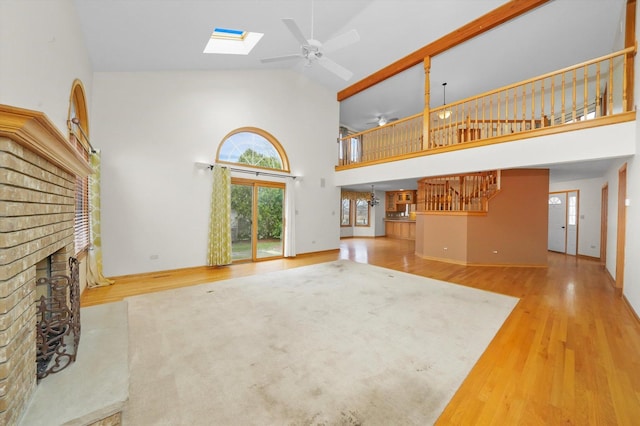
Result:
[
  {"x": 589, "y": 212},
  {"x": 611, "y": 179},
  {"x": 42, "y": 52},
  {"x": 346, "y": 231},
  {"x": 632, "y": 249},
  {"x": 152, "y": 127}
]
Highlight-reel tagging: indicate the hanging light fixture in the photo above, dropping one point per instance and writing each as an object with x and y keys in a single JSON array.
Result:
[
  {"x": 445, "y": 113},
  {"x": 373, "y": 200}
]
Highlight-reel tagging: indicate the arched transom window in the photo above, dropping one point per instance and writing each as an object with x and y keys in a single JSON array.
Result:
[{"x": 252, "y": 147}]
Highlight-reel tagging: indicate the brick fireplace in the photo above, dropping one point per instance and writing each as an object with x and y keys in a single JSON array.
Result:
[{"x": 38, "y": 169}]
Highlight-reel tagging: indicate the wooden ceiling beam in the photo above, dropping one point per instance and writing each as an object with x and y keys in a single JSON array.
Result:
[{"x": 486, "y": 22}]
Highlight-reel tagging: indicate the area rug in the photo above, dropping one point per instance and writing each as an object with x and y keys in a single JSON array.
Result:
[{"x": 338, "y": 343}]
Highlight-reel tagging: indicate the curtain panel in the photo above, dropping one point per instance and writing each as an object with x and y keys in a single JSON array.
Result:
[
  {"x": 219, "y": 250},
  {"x": 290, "y": 220},
  {"x": 95, "y": 277}
]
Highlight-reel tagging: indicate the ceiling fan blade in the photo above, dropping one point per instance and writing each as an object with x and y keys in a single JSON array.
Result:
[
  {"x": 340, "y": 41},
  {"x": 281, "y": 58},
  {"x": 338, "y": 70},
  {"x": 295, "y": 30}
]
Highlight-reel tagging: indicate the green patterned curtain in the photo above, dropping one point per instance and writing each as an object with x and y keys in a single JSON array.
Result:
[
  {"x": 220, "y": 222},
  {"x": 94, "y": 270}
]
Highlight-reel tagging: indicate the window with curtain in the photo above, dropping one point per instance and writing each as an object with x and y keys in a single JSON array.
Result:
[
  {"x": 362, "y": 212},
  {"x": 81, "y": 221},
  {"x": 345, "y": 212},
  {"x": 78, "y": 125}
]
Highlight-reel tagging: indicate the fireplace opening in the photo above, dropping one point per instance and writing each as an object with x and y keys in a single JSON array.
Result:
[{"x": 57, "y": 316}]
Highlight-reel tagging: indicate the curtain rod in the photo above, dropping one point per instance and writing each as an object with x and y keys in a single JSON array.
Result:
[
  {"x": 210, "y": 166},
  {"x": 76, "y": 121}
]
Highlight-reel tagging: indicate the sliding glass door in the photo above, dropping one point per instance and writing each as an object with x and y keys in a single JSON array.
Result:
[{"x": 257, "y": 229}]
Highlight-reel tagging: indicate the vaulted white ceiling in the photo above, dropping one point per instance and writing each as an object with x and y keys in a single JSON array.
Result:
[{"x": 146, "y": 35}]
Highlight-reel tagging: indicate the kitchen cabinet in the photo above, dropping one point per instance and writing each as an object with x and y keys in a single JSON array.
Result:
[
  {"x": 396, "y": 200},
  {"x": 406, "y": 197},
  {"x": 391, "y": 202}
]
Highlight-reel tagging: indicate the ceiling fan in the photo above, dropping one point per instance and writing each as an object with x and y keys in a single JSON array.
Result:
[
  {"x": 382, "y": 120},
  {"x": 314, "y": 51}
]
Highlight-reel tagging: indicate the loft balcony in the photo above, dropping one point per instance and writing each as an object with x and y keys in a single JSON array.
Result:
[{"x": 591, "y": 94}]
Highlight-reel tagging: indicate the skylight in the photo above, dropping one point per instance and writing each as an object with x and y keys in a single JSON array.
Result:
[{"x": 228, "y": 41}]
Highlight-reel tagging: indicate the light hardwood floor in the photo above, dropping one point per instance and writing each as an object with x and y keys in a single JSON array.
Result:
[{"x": 568, "y": 354}]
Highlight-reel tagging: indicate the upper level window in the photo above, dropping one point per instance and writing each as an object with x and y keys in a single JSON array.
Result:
[{"x": 252, "y": 147}]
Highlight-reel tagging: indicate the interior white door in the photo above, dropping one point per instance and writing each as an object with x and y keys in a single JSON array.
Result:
[{"x": 557, "y": 222}]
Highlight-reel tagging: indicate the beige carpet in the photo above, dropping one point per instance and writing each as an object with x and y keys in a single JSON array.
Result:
[{"x": 338, "y": 343}]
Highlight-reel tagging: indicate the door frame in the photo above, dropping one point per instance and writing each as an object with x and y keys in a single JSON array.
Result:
[
  {"x": 604, "y": 216},
  {"x": 566, "y": 220},
  {"x": 564, "y": 206},
  {"x": 255, "y": 184},
  {"x": 622, "y": 226}
]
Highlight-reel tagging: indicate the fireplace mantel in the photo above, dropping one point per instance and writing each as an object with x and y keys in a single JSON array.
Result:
[
  {"x": 35, "y": 131},
  {"x": 39, "y": 168}
]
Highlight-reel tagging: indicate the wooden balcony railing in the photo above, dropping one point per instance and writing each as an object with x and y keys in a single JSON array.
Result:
[
  {"x": 595, "y": 91},
  {"x": 469, "y": 192},
  {"x": 397, "y": 138}
]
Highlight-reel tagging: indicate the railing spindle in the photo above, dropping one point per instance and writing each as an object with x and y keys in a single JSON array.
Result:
[
  {"x": 563, "y": 109},
  {"x": 553, "y": 100},
  {"x": 533, "y": 105},
  {"x": 515, "y": 107},
  {"x": 625, "y": 107},
  {"x": 610, "y": 88},
  {"x": 542, "y": 94},
  {"x": 573, "y": 97},
  {"x": 585, "y": 94},
  {"x": 524, "y": 107},
  {"x": 598, "y": 112}
]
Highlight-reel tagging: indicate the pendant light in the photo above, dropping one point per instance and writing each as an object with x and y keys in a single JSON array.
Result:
[
  {"x": 373, "y": 200},
  {"x": 445, "y": 113}
]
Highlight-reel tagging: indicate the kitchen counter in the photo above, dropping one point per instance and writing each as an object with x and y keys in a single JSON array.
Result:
[{"x": 401, "y": 228}]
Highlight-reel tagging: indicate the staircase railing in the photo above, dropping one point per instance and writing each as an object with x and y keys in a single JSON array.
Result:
[
  {"x": 469, "y": 192},
  {"x": 593, "y": 91}
]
